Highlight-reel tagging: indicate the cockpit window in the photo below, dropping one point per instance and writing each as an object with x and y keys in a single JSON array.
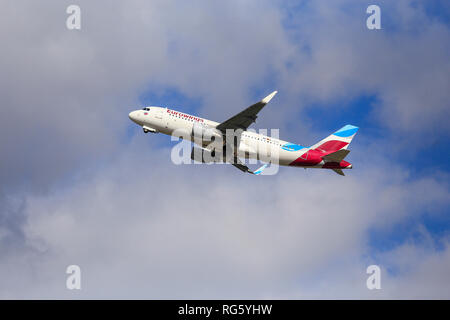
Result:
[{"x": 146, "y": 109}]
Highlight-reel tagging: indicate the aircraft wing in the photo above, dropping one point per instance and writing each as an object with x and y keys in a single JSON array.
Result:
[{"x": 245, "y": 118}]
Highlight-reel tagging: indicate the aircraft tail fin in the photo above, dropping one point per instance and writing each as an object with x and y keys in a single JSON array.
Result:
[{"x": 337, "y": 141}]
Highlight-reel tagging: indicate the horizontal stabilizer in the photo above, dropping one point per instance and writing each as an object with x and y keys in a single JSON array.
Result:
[
  {"x": 339, "y": 171},
  {"x": 337, "y": 156}
]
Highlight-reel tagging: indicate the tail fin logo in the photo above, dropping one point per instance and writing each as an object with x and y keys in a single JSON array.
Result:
[
  {"x": 336, "y": 141},
  {"x": 346, "y": 131}
]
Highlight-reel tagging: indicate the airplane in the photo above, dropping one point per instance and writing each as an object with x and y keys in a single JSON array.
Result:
[{"x": 328, "y": 153}]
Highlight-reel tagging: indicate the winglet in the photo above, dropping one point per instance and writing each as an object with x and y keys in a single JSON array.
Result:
[
  {"x": 261, "y": 169},
  {"x": 269, "y": 97}
]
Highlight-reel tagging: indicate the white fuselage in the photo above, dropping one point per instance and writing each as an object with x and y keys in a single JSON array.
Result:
[{"x": 252, "y": 145}]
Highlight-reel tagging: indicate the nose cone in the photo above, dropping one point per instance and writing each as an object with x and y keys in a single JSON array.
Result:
[{"x": 133, "y": 116}]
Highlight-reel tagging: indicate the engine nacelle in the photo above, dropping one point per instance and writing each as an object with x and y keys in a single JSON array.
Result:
[
  {"x": 205, "y": 133},
  {"x": 148, "y": 129},
  {"x": 206, "y": 155}
]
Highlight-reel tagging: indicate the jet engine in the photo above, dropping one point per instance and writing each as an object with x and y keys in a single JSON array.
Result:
[
  {"x": 205, "y": 133},
  {"x": 148, "y": 129},
  {"x": 206, "y": 156}
]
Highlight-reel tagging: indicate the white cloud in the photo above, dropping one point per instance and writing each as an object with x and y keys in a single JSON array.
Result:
[
  {"x": 149, "y": 229},
  {"x": 405, "y": 64},
  {"x": 139, "y": 226}
]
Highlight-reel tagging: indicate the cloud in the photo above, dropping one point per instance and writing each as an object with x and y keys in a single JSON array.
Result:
[
  {"x": 74, "y": 192},
  {"x": 65, "y": 94},
  {"x": 149, "y": 229},
  {"x": 422, "y": 269},
  {"x": 405, "y": 64}
]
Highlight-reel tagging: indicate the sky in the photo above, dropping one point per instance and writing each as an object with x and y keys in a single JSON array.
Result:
[{"x": 83, "y": 185}]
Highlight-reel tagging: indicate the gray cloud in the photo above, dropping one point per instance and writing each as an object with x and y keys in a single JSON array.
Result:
[
  {"x": 74, "y": 193},
  {"x": 405, "y": 64},
  {"x": 138, "y": 229}
]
